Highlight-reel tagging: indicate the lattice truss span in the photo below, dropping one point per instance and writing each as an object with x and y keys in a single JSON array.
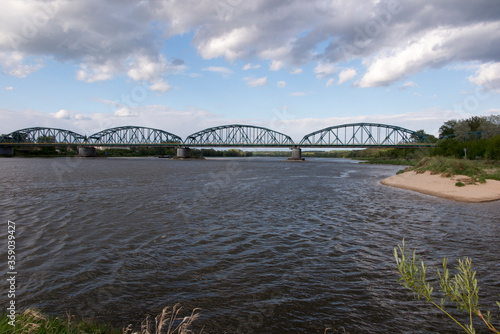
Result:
[
  {"x": 364, "y": 134},
  {"x": 238, "y": 135},
  {"x": 130, "y": 135},
  {"x": 43, "y": 136}
]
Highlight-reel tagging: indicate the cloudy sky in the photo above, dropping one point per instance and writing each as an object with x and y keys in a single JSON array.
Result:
[{"x": 294, "y": 66}]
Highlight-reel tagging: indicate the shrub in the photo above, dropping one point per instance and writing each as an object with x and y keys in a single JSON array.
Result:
[{"x": 461, "y": 289}]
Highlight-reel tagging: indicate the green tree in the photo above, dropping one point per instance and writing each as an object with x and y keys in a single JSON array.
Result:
[
  {"x": 431, "y": 138},
  {"x": 490, "y": 126},
  {"x": 474, "y": 123},
  {"x": 448, "y": 128}
]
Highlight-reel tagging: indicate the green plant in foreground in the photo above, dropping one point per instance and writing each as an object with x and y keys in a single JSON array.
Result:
[
  {"x": 460, "y": 184},
  {"x": 461, "y": 289}
]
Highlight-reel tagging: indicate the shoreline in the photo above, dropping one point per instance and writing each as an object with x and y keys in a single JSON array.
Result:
[{"x": 444, "y": 187}]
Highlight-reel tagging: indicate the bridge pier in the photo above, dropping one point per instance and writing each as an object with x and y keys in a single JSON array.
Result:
[
  {"x": 296, "y": 154},
  {"x": 6, "y": 151},
  {"x": 183, "y": 153},
  {"x": 87, "y": 151}
]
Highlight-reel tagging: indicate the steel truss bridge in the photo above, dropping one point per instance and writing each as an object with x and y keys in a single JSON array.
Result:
[{"x": 357, "y": 135}]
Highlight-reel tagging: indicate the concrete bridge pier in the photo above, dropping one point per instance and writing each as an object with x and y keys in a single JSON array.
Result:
[
  {"x": 6, "y": 151},
  {"x": 183, "y": 153},
  {"x": 87, "y": 151},
  {"x": 296, "y": 154}
]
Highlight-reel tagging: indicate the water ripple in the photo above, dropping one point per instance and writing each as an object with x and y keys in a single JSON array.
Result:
[{"x": 261, "y": 245}]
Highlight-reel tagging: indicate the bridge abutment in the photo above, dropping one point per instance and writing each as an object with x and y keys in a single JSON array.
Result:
[
  {"x": 183, "y": 153},
  {"x": 296, "y": 154},
  {"x": 87, "y": 151},
  {"x": 6, "y": 151}
]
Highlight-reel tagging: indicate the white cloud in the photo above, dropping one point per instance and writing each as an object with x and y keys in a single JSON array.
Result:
[
  {"x": 152, "y": 70},
  {"x": 487, "y": 76},
  {"x": 409, "y": 84},
  {"x": 296, "y": 71},
  {"x": 230, "y": 44},
  {"x": 9, "y": 88},
  {"x": 256, "y": 82},
  {"x": 143, "y": 67},
  {"x": 80, "y": 117},
  {"x": 330, "y": 82},
  {"x": 281, "y": 84},
  {"x": 16, "y": 64},
  {"x": 126, "y": 112},
  {"x": 160, "y": 86},
  {"x": 97, "y": 72},
  {"x": 325, "y": 70},
  {"x": 346, "y": 75},
  {"x": 298, "y": 94},
  {"x": 62, "y": 114},
  {"x": 276, "y": 65},
  {"x": 218, "y": 69},
  {"x": 66, "y": 115},
  {"x": 431, "y": 49},
  {"x": 249, "y": 66}
]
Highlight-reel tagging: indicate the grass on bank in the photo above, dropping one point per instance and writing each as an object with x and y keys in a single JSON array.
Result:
[
  {"x": 33, "y": 321},
  {"x": 478, "y": 171}
]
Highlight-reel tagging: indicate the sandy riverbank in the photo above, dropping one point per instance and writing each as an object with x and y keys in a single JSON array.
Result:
[{"x": 444, "y": 187}]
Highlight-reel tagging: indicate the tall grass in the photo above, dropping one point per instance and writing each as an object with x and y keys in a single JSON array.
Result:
[
  {"x": 33, "y": 321},
  {"x": 168, "y": 321}
]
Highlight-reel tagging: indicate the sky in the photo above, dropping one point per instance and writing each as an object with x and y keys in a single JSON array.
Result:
[{"x": 292, "y": 66}]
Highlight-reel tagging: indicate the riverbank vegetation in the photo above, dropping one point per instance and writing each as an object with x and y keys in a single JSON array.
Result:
[
  {"x": 170, "y": 152},
  {"x": 477, "y": 170},
  {"x": 460, "y": 290},
  {"x": 48, "y": 151},
  {"x": 169, "y": 321}
]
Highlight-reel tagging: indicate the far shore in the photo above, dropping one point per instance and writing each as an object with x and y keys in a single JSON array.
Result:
[{"x": 444, "y": 187}]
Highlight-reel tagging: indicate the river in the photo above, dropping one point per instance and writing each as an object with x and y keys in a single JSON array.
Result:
[{"x": 260, "y": 245}]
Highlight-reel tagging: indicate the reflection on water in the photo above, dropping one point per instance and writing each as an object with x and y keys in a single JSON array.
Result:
[{"x": 261, "y": 245}]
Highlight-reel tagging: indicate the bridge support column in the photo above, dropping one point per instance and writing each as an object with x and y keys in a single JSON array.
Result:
[
  {"x": 87, "y": 151},
  {"x": 183, "y": 153},
  {"x": 296, "y": 154},
  {"x": 6, "y": 151}
]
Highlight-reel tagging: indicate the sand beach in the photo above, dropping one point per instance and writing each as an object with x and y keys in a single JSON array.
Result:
[{"x": 440, "y": 186}]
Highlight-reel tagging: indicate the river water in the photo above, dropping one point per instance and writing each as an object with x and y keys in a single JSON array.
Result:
[{"x": 261, "y": 245}]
